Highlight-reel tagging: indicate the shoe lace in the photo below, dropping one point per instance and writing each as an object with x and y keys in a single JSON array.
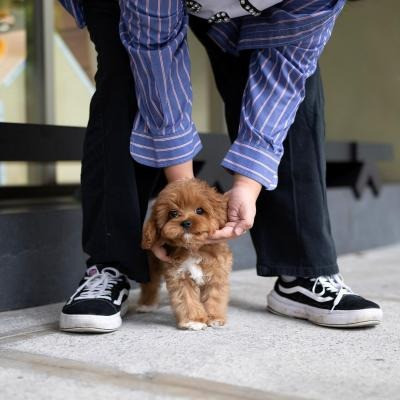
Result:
[
  {"x": 333, "y": 284},
  {"x": 98, "y": 286}
]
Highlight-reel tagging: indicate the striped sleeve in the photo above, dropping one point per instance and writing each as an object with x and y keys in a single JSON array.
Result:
[
  {"x": 274, "y": 91},
  {"x": 154, "y": 34}
]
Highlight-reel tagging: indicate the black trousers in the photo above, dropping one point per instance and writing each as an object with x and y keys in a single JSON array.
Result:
[
  {"x": 291, "y": 233},
  {"x": 115, "y": 189}
]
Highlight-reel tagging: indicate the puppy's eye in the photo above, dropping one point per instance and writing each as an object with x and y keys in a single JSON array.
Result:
[
  {"x": 199, "y": 211},
  {"x": 173, "y": 214}
]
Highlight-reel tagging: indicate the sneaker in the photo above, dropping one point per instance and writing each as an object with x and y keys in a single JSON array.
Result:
[
  {"x": 99, "y": 302},
  {"x": 325, "y": 300}
]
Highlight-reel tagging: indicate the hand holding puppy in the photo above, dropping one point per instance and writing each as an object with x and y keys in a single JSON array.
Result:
[
  {"x": 241, "y": 208},
  {"x": 241, "y": 214},
  {"x": 160, "y": 251}
]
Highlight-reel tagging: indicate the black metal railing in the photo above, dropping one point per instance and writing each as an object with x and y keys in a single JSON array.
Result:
[{"x": 351, "y": 164}]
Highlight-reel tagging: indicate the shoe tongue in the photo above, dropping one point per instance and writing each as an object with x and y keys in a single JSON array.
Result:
[
  {"x": 99, "y": 268},
  {"x": 92, "y": 271},
  {"x": 111, "y": 271}
]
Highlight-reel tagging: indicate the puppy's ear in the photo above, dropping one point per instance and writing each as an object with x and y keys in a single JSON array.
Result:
[
  {"x": 219, "y": 204},
  {"x": 150, "y": 233}
]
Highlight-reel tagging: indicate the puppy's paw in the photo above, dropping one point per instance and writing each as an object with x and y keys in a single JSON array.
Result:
[
  {"x": 216, "y": 323},
  {"x": 193, "y": 325},
  {"x": 146, "y": 308}
]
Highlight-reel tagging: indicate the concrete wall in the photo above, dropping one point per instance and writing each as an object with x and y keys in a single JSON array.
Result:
[
  {"x": 207, "y": 104},
  {"x": 361, "y": 71}
]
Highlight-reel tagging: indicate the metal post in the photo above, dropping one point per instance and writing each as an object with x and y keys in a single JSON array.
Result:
[{"x": 40, "y": 76}]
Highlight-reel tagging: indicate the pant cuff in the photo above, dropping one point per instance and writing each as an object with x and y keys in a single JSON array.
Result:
[{"x": 299, "y": 271}]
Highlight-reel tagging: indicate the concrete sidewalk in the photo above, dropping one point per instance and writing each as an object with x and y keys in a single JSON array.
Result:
[{"x": 256, "y": 356}]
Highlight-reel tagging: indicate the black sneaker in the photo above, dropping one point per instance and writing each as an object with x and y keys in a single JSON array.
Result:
[
  {"x": 99, "y": 302},
  {"x": 325, "y": 300}
]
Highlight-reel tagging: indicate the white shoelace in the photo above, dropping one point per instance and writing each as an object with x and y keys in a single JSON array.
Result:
[
  {"x": 332, "y": 284},
  {"x": 97, "y": 286}
]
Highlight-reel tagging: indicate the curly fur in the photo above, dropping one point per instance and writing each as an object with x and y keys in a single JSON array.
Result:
[{"x": 198, "y": 277}]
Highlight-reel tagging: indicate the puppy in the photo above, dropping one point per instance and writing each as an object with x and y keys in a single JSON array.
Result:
[{"x": 184, "y": 214}]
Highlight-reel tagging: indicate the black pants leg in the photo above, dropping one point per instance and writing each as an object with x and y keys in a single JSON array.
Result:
[
  {"x": 291, "y": 232},
  {"x": 115, "y": 189}
]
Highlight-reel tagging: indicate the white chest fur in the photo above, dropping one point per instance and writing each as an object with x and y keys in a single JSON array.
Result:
[{"x": 192, "y": 266}]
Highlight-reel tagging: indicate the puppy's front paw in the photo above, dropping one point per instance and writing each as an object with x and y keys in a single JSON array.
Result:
[
  {"x": 145, "y": 308},
  {"x": 193, "y": 325},
  {"x": 216, "y": 323}
]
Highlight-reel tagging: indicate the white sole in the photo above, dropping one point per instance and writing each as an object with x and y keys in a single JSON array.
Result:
[
  {"x": 92, "y": 323},
  {"x": 337, "y": 318}
]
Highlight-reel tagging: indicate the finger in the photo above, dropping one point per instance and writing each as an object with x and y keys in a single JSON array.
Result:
[
  {"x": 241, "y": 227},
  {"x": 233, "y": 214},
  {"x": 225, "y": 233},
  {"x": 222, "y": 240},
  {"x": 214, "y": 241}
]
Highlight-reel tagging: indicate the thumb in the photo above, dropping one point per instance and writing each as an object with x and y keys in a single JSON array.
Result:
[{"x": 160, "y": 252}]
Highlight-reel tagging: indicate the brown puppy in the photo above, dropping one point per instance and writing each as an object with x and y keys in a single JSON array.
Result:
[{"x": 185, "y": 213}]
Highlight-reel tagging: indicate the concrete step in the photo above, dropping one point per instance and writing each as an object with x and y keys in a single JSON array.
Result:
[{"x": 256, "y": 356}]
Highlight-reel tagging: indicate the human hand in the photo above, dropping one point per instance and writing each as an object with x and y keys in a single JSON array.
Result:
[
  {"x": 241, "y": 209},
  {"x": 160, "y": 251}
]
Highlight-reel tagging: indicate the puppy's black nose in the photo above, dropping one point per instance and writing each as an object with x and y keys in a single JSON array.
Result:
[{"x": 186, "y": 224}]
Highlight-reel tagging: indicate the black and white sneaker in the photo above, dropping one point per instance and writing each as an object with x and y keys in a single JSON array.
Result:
[
  {"x": 325, "y": 300},
  {"x": 99, "y": 302}
]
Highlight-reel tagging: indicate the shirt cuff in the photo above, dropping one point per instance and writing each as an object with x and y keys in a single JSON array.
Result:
[
  {"x": 259, "y": 164},
  {"x": 165, "y": 151}
]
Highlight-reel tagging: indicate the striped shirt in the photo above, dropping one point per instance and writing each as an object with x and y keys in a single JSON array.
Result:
[{"x": 287, "y": 40}]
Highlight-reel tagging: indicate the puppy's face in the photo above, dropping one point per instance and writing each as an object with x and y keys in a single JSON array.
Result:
[{"x": 184, "y": 215}]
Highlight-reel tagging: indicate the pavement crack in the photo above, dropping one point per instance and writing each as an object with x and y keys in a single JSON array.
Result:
[{"x": 22, "y": 334}]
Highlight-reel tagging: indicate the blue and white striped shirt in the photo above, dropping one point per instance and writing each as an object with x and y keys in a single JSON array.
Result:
[{"x": 287, "y": 40}]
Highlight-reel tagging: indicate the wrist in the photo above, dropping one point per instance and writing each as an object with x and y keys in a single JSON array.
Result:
[
  {"x": 179, "y": 171},
  {"x": 249, "y": 184}
]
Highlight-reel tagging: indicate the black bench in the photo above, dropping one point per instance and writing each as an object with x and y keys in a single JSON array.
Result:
[{"x": 354, "y": 164}]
